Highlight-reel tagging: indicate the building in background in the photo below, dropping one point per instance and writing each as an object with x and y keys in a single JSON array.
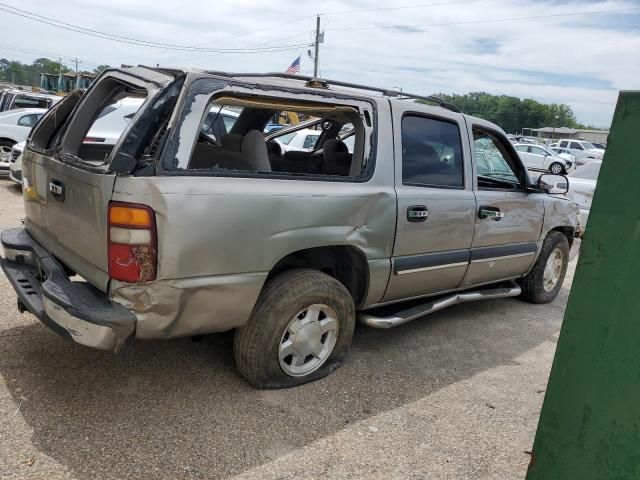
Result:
[
  {"x": 51, "y": 82},
  {"x": 599, "y": 136}
]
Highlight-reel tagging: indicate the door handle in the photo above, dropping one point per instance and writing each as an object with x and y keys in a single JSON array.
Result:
[
  {"x": 493, "y": 213},
  {"x": 417, "y": 213}
]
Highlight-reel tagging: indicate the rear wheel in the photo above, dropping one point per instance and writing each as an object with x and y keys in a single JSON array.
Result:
[
  {"x": 544, "y": 281},
  {"x": 5, "y": 150},
  {"x": 299, "y": 330},
  {"x": 557, "y": 168}
]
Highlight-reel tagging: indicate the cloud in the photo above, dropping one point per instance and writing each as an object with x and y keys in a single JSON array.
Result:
[{"x": 582, "y": 60}]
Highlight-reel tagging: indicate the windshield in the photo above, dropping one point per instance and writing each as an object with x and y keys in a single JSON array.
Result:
[
  {"x": 590, "y": 171},
  {"x": 588, "y": 145}
]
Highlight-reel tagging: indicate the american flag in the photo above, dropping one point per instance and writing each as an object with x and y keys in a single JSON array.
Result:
[{"x": 294, "y": 67}]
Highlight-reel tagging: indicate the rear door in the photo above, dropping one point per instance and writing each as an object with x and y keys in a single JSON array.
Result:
[
  {"x": 436, "y": 205},
  {"x": 67, "y": 186},
  {"x": 508, "y": 220}
]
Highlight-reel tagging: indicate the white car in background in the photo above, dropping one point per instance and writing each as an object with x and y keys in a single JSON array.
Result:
[
  {"x": 15, "y": 162},
  {"x": 582, "y": 186},
  {"x": 564, "y": 153},
  {"x": 536, "y": 157},
  {"x": 301, "y": 141},
  {"x": 15, "y": 126},
  {"x": 583, "y": 151}
]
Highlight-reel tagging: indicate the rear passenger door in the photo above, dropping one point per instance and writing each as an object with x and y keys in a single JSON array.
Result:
[
  {"x": 508, "y": 220},
  {"x": 436, "y": 204}
]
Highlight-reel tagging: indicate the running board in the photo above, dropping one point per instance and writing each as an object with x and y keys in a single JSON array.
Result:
[{"x": 404, "y": 316}]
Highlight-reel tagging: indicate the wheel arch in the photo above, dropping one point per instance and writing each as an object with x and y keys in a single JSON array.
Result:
[
  {"x": 345, "y": 263},
  {"x": 7, "y": 139},
  {"x": 568, "y": 232}
]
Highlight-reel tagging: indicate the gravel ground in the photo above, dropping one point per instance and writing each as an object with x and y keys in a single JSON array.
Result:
[{"x": 455, "y": 395}]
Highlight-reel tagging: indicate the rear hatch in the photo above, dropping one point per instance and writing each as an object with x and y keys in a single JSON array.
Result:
[{"x": 68, "y": 178}]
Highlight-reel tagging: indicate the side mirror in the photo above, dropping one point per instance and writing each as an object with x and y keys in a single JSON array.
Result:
[{"x": 553, "y": 184}]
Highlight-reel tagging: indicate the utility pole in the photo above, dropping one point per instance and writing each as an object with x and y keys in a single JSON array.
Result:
[
  {"x": 317, "y": 45},
  {"x": 77, "y": 76},
  {"x": 59, "y": 75}
]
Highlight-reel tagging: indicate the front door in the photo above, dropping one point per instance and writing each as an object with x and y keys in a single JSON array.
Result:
[
  {"x": 508, "y": 220},
  {"x": 436, "y": 204}
]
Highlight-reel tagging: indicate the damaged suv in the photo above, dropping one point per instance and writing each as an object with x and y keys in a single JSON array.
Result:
[{"x": 196, "y": 221}]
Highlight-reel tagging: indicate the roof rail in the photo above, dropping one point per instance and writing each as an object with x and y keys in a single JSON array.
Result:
[{"x": 387, "y": 92}]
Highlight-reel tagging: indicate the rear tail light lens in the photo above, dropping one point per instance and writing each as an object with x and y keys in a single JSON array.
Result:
[{"x": 132, "y": 246}]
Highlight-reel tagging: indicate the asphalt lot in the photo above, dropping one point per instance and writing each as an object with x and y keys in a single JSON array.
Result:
[{"x": 455, "y": 395}]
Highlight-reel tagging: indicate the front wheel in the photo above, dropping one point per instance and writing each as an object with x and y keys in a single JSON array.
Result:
[
  {"x": 5, "y": 150},
  {"x": 299, "y": 330},
  {"x": 544, "y": 281},
  {"x": 556, "y": 168}
]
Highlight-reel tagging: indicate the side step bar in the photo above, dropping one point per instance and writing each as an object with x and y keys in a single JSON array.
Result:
[{"x": 430, "y": 306}]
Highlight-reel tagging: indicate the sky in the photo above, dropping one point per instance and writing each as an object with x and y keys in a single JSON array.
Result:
[{"x": 561, "y": 55}]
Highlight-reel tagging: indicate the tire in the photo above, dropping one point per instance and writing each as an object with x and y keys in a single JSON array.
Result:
[
  {"x": 556, "y": 168},
  {"x": 537, "y": 286},
  {"x": 5, "y": 150},
  {"x": 261, "y": 346}
]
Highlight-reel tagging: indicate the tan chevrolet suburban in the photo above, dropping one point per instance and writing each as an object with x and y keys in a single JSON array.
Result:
[{"x": 196, "y": 221}]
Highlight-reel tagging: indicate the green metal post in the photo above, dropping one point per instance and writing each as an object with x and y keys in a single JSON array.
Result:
[{"x": 590, "y": 422}]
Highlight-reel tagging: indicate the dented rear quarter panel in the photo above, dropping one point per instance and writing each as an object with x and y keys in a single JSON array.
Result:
[{"x": 218, "y": 237}]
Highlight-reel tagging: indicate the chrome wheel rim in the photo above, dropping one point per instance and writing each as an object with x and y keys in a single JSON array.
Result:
[
  {"x": 556, "y": 168},
  {"x": 308, "y": 340},
  {"x": 553, "y": 270},
  {"x": 5, "y": 154}
]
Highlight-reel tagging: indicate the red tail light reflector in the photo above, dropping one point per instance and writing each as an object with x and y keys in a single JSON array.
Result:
[{"x": 132, "y": 242}]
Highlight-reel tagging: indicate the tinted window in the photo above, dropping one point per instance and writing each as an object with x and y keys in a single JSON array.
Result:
[
  {"x": 286, "y": 138},
  {"x": 27, "y": 120},
  {"x": 431, "y": 153},
  {"x": 495, "y": 167},
  {"x": 576, "y": 145},
  {"x": 564, "y": 143}
]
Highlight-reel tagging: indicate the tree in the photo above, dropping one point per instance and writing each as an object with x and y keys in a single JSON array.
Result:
[
  {"x": 512, "y": 113},
  {"x": 98, "y": 70}
]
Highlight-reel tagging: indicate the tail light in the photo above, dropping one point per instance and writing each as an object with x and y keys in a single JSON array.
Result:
[{"x": 132, "y": 242}]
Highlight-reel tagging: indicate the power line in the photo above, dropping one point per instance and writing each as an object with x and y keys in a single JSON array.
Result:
[
  {"x": 133, "y": 41},
  {"x": 493, "y": 20}
]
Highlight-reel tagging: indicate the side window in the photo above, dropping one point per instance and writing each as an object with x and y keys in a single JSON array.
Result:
[
  {"x": 564, "y": 144},
  {"x": 536, "y": 150},
  {"x": 310, "y": 141},
  {"x": 576, "y": 146},
  {"x": 27, "y": 120},
  {"x": 431, "y": 153},
  {"x": 495, "y": 167},
  {"x": 522, "y": 148}
]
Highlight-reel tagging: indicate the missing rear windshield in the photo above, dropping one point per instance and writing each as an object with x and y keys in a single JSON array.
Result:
[
  {"x": 280, "y": 137},
  {"x": 104, "y": 115}
]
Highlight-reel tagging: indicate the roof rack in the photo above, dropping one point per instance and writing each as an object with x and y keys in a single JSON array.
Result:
[{"x": 387, "y": 92}]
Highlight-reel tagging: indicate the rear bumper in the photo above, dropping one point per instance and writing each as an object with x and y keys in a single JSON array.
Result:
[{"x": 75, "y": 310}]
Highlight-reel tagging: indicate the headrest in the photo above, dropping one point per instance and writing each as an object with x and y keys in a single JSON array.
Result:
[
  {"x": 274, "y": 148},
  {"x": 232, "y": 142}
]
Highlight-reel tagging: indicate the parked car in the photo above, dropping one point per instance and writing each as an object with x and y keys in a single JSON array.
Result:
[
  {"x": 15, "y": 99},
  {"x": 583, "y": 151},
  {"x": 540, "y": 158},
  {"x": 582, "y": 186},
  {"x": 15, "y": 125},
  {"x": 15, "y": 162},
  {"x": 175, "y": 234},
  {"x": 564, "y": 153},
  {"x": 300, "y": 141}
]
